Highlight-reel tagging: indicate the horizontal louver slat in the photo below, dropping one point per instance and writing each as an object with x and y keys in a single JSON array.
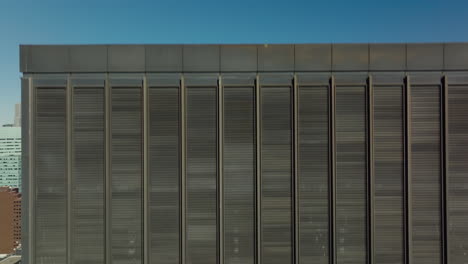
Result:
[
  {"x": 351, "y": 220},
  {"x": 457, "y": 174},
  {"x": 313, "y": 174},
  {"x": 50, "y": 177},
  {"x": 126, "y": 178},
  {"x": 239, "y": 175},
  {"x": 388, "y": 173},
  {"x": 201, "y": 175},
  {"x": 164, "y": 178},
  {"x": 276, "y": 171},
  {"x": 425, "y": 177},
  {"x": 88, "y": 176}
]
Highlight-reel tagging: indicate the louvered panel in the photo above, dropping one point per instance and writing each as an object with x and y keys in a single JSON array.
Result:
[
  {"x": 164, "y": 162},
  {"x": 239, "y": 175},
  {"x": 50, "y": 176},
  {"x": 88, "y": 176},
  {"x": 201, "y": 175},
  {"x": 351, "y": 174},
  {"x": 425, "y": 178},
  {"x": 313, "y": 174},
  {"x": 457, "y": 174},
  {"x": 388, "y": 174},
  {"x": 126, "y": 179},
  {"x": 276, "y": 175}
]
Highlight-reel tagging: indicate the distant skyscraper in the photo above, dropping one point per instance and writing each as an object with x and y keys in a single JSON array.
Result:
[
  {"x": 10, "y": 156},
  {"x": 17, "y": 120}
]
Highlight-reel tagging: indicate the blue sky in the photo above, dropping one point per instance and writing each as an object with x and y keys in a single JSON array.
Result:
[{"x": 209, "y": 21}]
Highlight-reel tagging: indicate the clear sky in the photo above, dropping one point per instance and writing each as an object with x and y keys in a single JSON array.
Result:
[{"x": 210, "y": 21}]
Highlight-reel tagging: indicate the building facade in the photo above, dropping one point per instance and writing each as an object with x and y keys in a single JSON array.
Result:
[
  {"x": 266, "y": 154},
  {"x": 10, "y": 219},
  {"x": 10, "y": 156}
]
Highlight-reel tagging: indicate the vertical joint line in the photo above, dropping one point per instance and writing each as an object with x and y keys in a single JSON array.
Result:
[
  {"x": 332, "y": 171},
  {"x": 69, "y": 116},
  {"x": 407, "y": 173},
  {"x": 107, "y": 103},
  {"x": 370, "y": 166},
  {"x": 145, "y": 174},
  {"x": 32, "y": 175},
  {"x": 295, "y": 102},
  {"x": 444, "y": 168},
  {"x": 220, "y": 170},
  {"x": 183, "y": 171},
  {"x": 404, "y": 180},
  {"x": 258, "y": 192}
]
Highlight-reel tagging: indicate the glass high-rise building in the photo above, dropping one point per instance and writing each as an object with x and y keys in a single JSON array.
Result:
[
  {"x": 10, "y": 156},
  {"x": 228, "y": 154}
]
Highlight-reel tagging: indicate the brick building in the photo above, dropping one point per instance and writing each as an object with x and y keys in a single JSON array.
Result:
[{"x": 10, "y": 219}]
